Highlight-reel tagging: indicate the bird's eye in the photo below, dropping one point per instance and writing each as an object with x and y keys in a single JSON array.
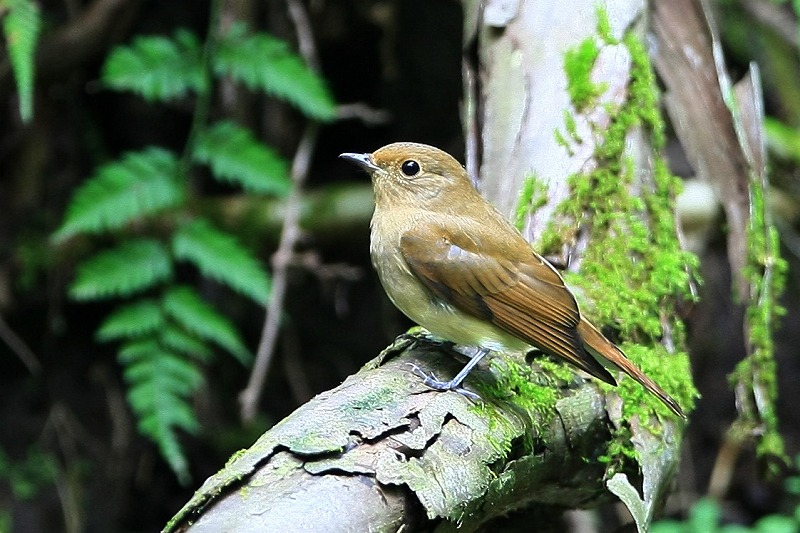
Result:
[{"x": 410, "y": 168}]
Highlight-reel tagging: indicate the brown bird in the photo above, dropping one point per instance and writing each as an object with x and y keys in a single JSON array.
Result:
[{"x": 453, "y": 264}]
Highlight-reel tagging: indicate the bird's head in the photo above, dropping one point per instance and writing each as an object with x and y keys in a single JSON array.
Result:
[{"x": 415, "y": 175}]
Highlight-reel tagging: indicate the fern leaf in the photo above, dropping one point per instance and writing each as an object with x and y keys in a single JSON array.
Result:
[
  {"x": 236, "y": 156},
  {"x": 265, "y": 63},
  {"x": 21, "y": 25},
  {"x": 157, "y": 68},
  {"x": 161, "y": 384},
  {"x": 190, "y": 311},
  {"x": 132, "y": 320},
  {"x": 219, "y": 256},
  {"x": 141, "y": 184},
  {"x": 175, "y": 338},
  {"x": 131, "y": 267}
]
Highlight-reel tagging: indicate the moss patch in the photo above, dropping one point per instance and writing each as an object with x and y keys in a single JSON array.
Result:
[
  {"x": 532, "y": 196},
  {"x": 634, "y": 271},
  {"x": 578, "y": 64},
  {"x": 766, "y": 273}
]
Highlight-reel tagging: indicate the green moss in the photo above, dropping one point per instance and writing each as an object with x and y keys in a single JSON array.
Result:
[
  {"x": 578, "y": 64},
  {"x": 376, "y": 398},
  {"x": 235, "y": 456},
  {"x": 534, "y": 392},
  {"x": 572, "y": 126},
  {"x": 634, "y": 271},
  {"x": 532, "y": 196},
  {"x": 766, "y": 274},
  {"x": 604, "y": 26}
]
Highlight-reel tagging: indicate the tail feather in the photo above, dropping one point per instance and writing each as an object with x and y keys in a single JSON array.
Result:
[{"x": 603, "y": 348}]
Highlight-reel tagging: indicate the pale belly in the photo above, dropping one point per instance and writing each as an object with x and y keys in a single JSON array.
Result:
[{"x": 440, "y": 318}]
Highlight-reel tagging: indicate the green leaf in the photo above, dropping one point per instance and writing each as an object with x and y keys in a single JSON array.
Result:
[
  {"x": 188, "y": 309},
  {"x": 132, "y": 320},
  {"x": 782, "y": 139},
  {"x": 141, "y": 184},
  {"x": 157, "y": 68},
  {"x": 131, "y": 267},
  {"x": 161, "y": 385},
  {"x": 21, "y": 25},
  {"x": 265, "y": 63},
  {"x": 236, "y": 156},
  {"x": 175, "y": 338},
  {"x": 219, "y": 256}
]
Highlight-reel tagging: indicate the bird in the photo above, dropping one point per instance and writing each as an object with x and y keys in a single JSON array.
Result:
[{"x": 452, "y": 263}]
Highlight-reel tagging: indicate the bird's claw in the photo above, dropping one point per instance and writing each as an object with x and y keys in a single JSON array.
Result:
[{"x": 431, "y": 381}]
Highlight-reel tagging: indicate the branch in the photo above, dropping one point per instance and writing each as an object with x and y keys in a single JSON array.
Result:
[
  {"x": 290, "y": 234},
  {"x": 250, "y": 396},
  {"x": 18, "y": 346},
  {"x": 382, "y": 451}
]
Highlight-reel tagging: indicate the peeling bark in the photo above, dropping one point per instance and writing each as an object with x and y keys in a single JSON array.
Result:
[{"x": 383, "y": 451}]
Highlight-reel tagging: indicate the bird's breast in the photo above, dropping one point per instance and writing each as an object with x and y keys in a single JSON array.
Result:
[{"x": 414, "y": 300}]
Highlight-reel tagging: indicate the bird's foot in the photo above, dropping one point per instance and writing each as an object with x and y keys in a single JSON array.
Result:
[{"x": 454, "y": 385}]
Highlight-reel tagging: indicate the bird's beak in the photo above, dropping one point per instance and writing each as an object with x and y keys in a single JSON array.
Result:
[{"x": 362, "y": 160}]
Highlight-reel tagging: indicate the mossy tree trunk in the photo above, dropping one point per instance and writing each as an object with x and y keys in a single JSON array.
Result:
[{"x": 560, "y": 104}]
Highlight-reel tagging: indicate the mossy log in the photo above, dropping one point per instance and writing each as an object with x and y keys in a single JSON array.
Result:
[{"x": 382, "y": 451}]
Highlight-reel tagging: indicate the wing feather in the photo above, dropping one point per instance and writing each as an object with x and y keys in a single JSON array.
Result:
[{"x": 503, "y": 281}]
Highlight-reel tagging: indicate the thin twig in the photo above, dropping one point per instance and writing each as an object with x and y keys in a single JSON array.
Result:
[
  {"x": 18, "y": 346},
  {"x": 251, "y": 395},
  {"x": 290, "y": 234}
]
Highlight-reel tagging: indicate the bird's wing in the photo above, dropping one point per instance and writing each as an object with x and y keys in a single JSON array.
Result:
[{"x": 501, "y": 280}]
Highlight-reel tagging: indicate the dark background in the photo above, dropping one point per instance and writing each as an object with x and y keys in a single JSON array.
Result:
[{"x": 402, "y": 56}]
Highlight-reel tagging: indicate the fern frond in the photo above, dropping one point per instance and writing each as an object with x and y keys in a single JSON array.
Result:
[
  {"x": 193, "y": 313},
  {"x": 131, "y": 267},
  {"x": 21, "y": 25},
  {"x": 132, "y": 320},
  {"x": 141, "y": 184},
  {"x": 160, "y": 387},
  {"x": 175, "y": 338},
  {"x": 265, "y": 63},
  {"x": 157, "y": 68},
  {"x": 234, "y": 155},
  {"x": 219, "y": 256}
]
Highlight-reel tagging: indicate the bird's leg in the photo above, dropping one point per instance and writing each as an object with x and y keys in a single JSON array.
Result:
[{"x": 454, "y": 384}]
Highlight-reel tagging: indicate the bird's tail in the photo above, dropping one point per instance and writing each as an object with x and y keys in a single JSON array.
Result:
[{"x": 605, "y": 350}]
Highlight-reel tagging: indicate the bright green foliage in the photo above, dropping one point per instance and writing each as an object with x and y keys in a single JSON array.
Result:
[
  {"x": 131, "y": 267},
  {"x": 157, "y": 68},
  {"x": 132, "y": 320},
  {"x": 167, "y": 336},
  {"x": 140, "y": 185},
  {"x": 234, "y": 154},
  {"x": 267, "y": 64},
  {"x": 21, "y": 25},
  {"x": 188, "y": 309},
  {"x": 160, "y": 356},
  {"x": 177, "y": 339},
  {"x": 219, "y": 255},
  {"x": 160, "y": 386}
]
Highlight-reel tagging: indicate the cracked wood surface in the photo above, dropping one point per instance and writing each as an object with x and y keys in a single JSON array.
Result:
[{"x": 383, "y": 451}]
